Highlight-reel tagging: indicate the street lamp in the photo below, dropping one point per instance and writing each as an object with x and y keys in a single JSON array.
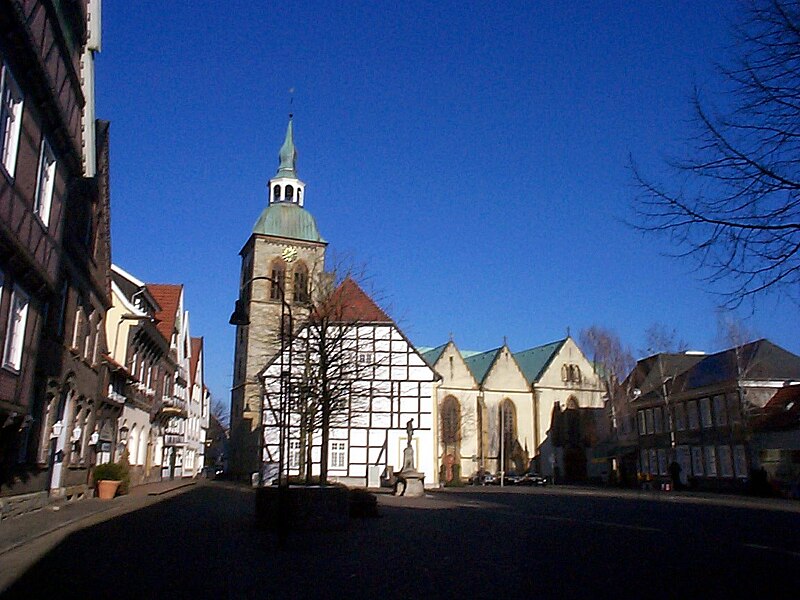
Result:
[{"x": 241, "y": 318}]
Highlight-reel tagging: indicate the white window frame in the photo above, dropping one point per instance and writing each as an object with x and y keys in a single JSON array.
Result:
[
  {"x": 45, "y": 182},
  {"x": 338, "y": 455},
  {"x": 294, "y": 454},
  {"x": 15, "y": 331},
  {"x": 11, "y": 100}
]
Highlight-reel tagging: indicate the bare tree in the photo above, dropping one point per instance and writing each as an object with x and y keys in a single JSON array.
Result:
[
  {"x": 612, "y": 361},
  {"x": 736, "y": 205},
  {"x": 329, "y": 368},
  {"x": 219, "y": 410},
  {"x": 659, "y": 338}
]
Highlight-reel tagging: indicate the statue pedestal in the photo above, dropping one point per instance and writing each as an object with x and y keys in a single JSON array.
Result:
[{"x": 410, "y": 483}]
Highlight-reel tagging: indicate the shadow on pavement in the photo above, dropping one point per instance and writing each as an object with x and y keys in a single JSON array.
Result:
[{"x": 203, "y": 544}]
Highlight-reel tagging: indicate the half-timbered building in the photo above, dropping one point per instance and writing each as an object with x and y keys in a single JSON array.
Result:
[{"x": 386, "y": 385}]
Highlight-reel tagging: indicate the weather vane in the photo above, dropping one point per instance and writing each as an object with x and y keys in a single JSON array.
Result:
[{"x": 291, "y": 101}]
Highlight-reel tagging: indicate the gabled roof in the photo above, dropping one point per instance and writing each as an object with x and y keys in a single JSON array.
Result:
[
  {"x": 168, "y": 297},
  {"x": 350, "y": 304},
  {"x": 197, "y": 350},
  {"x": 760, "y": 360},
  {"x": 480, "y": 363},
  {"x": 650, "y": 373},
  {"x": 432, "y": 355},
  {"x": 534, "y": 361}
]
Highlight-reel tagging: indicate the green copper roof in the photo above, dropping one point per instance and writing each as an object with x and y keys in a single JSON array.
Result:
[
  {"x": 479, "y": 364},
  {"x": 533, "y": 362},
  {"x": 288, "y": 220},
  {"x": 288, "y": 155},
  {"x": 432, "y": 355}
]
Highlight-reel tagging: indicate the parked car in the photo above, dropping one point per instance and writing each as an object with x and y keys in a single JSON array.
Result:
[
  {"x": 484, "y": 479},
  {"x": 532, "y": 478}
]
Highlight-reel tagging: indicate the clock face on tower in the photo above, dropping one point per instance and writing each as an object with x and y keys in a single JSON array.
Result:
[{"x": 289, "y": 254}]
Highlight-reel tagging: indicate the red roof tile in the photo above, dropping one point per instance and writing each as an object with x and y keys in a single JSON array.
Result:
[
  {"x": 350, "y": 304},
  {"x": 197, "y": 349},
  {"x": 168, "y": 296}
]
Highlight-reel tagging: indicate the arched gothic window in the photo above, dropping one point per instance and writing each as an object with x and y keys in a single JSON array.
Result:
[
  {"x": 278, "y": 275},
  {"x": 301, "y": 283},
  {"x": 508, "y": 420},
  {"x": 451, "y": 421}
]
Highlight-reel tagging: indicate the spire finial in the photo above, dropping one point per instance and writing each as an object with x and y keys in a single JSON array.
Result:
[
  {"x": 291, "y": 101},
  {"x": 288, "y": 155}
]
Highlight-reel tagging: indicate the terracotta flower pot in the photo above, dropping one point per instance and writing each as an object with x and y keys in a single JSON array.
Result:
[{"x": 107, "y": 489}]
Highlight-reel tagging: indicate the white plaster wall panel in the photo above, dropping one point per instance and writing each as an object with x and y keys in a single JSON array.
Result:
[
  {"x": 358, "y": 455},
  {"x": 409, "y": 389},
  {"x": 375, "y": 455},
  {"x": 409, "y": 405},
  {"x": 338, "y": 433},
  {"x": 419, "y": 374},
  {"x": 426, "y": 421},
  {"x": 381, "y": 420},
  {"x": 381, "y": 404},
  {"x": 359, "y": 419},
  {"x": 358, "y": 437},
  {"x": 399, "y": 373},
  {"x": 376, "y": 437}
]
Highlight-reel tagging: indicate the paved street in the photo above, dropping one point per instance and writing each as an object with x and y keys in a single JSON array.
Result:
[{"x": 484, "y": 543}]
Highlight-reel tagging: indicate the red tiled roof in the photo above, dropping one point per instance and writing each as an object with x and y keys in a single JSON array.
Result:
[
  {"x": 197, "y": 349},
  {"x": 167, "y": 295},
  {"x": 350, "y": 304},
  {"x": 781, "y": 412}
]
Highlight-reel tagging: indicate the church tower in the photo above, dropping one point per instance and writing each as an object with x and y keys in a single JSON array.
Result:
[{"x": 281, "y": 261}]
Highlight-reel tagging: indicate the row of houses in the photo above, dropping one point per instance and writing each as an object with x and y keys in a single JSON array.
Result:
[
  {"x": 93, "y": 362},
  {"x": 721, "y": 418}
]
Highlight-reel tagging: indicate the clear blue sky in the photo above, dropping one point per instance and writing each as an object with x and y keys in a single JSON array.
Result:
[{"x": 473, "y": 155}]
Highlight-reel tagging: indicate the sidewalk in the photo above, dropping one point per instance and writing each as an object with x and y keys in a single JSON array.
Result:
[{"x": 18, "y": 531}]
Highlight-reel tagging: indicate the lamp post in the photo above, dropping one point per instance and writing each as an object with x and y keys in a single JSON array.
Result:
[{"x": 241, "y": 318}]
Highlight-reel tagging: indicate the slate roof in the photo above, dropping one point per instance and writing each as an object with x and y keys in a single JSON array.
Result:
[
  {"x": 350, "y": 304},
  {"x": 759, "y": 360},
  {"x": 480, "y": 363},
  {"x": 168, "y": 297},
  {"x": 648, "y": 374},
  {"x": 534, "y": 361},
  {"x": 197, "y": 350}
]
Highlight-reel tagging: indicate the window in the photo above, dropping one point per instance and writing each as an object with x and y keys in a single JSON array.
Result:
[
  {"x": 648, "y": 419},
  {"x": 725, "y": 461},
  {"x": 680, "y": 417},
  {"x": 711, "y": 461},
  {"x": 697, "y": 460},
  {"x": 694, "y": 416},
  {"x": 450, "y": 421},
  {"x": 642, "y": 428},
  {"x": 338, "y": 455},
  {"x": 658, "y": 423},
  {"x": 15, "y": 333},
  {"x": 10, "y": 119},
  {"x": 294, "y": 454},
  {"x": 276, "y": 193},
  {"x": 45, "y": 181},
  {"x": 77, "y": 326},
  {"x": 301, "y": 283},
  {"x": 740, "y": 462},
  {"x": 277, "y": 285},
  {"x": 366, "y": 358},
  {"x": 705, "y": 412},
  {"x": 734, "y": 413},
  {"x": 720, "y": 413},
  {"x": 662, "y": 461}
]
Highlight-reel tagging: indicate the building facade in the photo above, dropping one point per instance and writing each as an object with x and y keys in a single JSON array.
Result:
[
  {"x": 497, "y": 410},
  {"x": 706, "y": 413},
  {"x": 379, "y": 387},
  {"x": 55, "y": 240},
  {"x": 283, "y": 262}
]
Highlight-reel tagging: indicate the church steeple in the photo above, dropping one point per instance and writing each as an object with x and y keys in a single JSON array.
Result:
[
  {"x": 285, "y": 186},
  {"x": 288, "y": 155}
]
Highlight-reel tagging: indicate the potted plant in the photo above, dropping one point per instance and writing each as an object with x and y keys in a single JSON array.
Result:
[{"x": 108, "y": 478}]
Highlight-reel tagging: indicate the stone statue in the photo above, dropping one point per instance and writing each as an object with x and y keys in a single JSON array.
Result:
[{"x": 410, "y": 431}]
